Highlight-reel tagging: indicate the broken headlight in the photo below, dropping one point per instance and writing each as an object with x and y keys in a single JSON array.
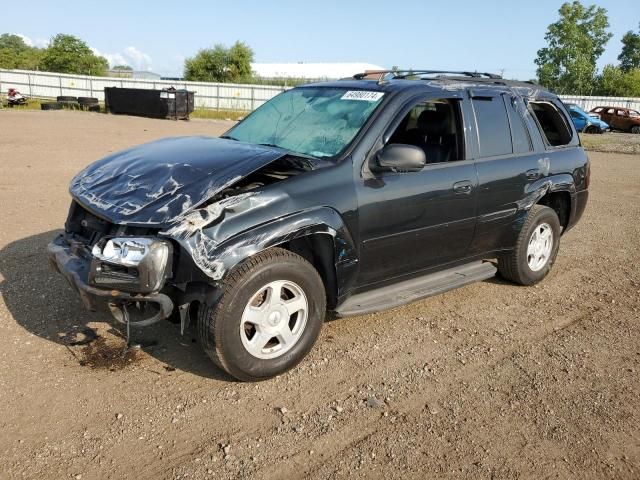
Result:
[{"x": 135, "y": 264}]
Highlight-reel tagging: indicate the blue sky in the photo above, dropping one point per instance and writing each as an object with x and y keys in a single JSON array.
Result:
[{"x": 451, "y": 34}]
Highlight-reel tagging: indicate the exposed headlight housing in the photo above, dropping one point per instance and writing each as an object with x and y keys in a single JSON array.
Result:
[{"x": 134, "y": 264}]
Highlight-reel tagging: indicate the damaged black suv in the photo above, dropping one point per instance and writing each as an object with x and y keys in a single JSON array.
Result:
[{"x": 345, "y": 197}]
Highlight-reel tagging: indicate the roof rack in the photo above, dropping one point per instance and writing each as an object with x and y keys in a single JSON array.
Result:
[{"x": 402, "y": 74}]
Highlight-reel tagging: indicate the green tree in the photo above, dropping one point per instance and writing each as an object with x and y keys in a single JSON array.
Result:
[
  {"x": 69, "y": 54},
  {"x": 14, "y": 53},
  {"x": 629, "y": 58},
  {"x": 616, "y": 82},
  {"x": 220, "y": 64},
  {"x": 567, "y": 64},
  {"x": 126, "y": 68}
]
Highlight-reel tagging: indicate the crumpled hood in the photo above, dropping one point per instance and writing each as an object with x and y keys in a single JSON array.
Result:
[{"x": 151, "y": 184}]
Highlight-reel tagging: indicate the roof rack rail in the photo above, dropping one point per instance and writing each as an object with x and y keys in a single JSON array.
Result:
[{"x": 400, "y": 74}]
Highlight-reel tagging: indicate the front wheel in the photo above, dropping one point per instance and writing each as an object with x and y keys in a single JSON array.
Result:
[
  {"x": 268, "y": 316},
  {"x": 635, "y": 129},
  {"x": 536, "y": 248}
]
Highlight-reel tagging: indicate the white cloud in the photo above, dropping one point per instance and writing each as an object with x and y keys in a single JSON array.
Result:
[
  {"x": 37, "y": 42},
  {"x": 131, "y": 56}
]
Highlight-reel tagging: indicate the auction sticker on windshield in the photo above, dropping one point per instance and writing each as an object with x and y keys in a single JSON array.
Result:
[{"x": 362, "y": 95}]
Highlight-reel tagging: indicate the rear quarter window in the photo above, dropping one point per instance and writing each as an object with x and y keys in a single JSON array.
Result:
[{"x": 552, "y": 123}]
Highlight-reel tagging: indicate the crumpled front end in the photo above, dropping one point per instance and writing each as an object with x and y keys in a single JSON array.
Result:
[{"x": 110, "y": 266}]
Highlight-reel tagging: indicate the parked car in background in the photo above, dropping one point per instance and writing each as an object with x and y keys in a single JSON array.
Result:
[
  {"x": 585, "y": 122},
  {"x": 618, "y": 118}
]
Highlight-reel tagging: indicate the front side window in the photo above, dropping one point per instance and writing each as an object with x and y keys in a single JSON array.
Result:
[
  {"x": 433, "y": 126},
  {"x": 552, "y": 123},
  {"x": 316, "y": 121}
]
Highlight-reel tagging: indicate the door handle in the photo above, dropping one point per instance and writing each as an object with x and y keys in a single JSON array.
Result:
[
  {"x": 463, "y": 187},
  {"x": 533, "y": 174}
]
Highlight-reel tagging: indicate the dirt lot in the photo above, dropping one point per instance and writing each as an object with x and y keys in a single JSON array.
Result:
[{"x": 489, "y": 381}]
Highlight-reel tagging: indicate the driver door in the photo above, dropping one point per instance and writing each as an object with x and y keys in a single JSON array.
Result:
[{"x": 415, "y": 221}]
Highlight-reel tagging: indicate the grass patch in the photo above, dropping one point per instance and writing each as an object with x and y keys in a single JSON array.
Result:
[
  {"x": 208, "y": 113},
  {"x": 32, "y": 104},
  {"x": 611, "y": 142}
]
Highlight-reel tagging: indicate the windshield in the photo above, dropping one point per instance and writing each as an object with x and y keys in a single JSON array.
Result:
[
  {"x": 633, "y": 113},
  {"x": 316, "y": 121}
]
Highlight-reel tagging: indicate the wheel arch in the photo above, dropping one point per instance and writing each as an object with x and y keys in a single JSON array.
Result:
[
  {"x": 319, "y": 235},
  {"x": 560, "y": 201}
]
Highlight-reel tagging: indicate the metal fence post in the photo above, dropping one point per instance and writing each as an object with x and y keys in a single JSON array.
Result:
[
  {"x": 218, "y": 97},
  {"x": 29, "y": 80},
  {"x": 60, "y": 81},
  {"x": 91, "y": 87},
  {"x": 253, "y": 97}
]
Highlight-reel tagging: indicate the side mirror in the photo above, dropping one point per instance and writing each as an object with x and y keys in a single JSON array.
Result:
[{"x": 400, "y": 157}]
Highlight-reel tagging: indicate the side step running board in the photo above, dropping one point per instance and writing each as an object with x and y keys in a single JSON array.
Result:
[{"x": 416, "y": 288}]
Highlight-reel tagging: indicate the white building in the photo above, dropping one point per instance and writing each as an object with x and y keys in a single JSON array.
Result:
[{"x": 311, "y": 71}]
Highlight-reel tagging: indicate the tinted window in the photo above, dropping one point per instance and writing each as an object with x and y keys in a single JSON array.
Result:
[
  {"x": 519, "y": 133},
  {"x": 493, "y": 126},
  {"x": 610, "y": 111},
  {"x": 622, "y": 113},
  {"x": 552, "y": 123}
]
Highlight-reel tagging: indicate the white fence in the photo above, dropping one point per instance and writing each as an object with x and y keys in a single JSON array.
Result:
[
  {"x": 588, "y": 103},
  {"x": 219, "y": 96}
]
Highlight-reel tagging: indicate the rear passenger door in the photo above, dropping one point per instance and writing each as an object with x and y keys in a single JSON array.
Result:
[
  {"x": 506, "y": 164},
  {"x": 623, "y": 122}
]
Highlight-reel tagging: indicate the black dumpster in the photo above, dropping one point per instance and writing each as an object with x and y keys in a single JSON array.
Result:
[{"x": 167, "y": 103}]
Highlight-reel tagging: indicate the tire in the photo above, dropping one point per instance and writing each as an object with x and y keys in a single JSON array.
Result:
[
  {"x": 520, "y": 267},
  {"x": 51, "y": 106},
  {"x": 66, "y": 99},
  {"x": 87, "y": 100},
  {"x": 92, "y": 108},
  {"x": 592, "y": 129},
  {"x": 226, "y": 335},
  {"x": 635, "y": 129}
]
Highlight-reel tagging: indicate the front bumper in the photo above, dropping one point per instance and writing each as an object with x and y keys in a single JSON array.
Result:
[{"x": 72, "y": 261}]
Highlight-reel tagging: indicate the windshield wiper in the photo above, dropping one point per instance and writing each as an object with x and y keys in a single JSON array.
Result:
[
  {"x": 272, "y": 145},
  {"x": 229, "y": 137}
]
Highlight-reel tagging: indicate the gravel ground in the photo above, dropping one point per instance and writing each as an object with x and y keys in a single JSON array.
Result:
[{"x": 488, "y": 381}]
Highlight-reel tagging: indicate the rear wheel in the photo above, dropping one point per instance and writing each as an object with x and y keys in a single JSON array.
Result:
[
  {"x": 268, "y": 317},
  {"x": 536, "y": 248},
  {"x": 592, "y": 129},
  {"x": 635, "y": 129}
]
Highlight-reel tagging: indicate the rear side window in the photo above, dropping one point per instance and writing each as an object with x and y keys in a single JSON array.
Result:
[
  {"x": 519, "y": 134},
  {"x": 493, "y": 126},
  {"x": 552, "y": 122}
]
